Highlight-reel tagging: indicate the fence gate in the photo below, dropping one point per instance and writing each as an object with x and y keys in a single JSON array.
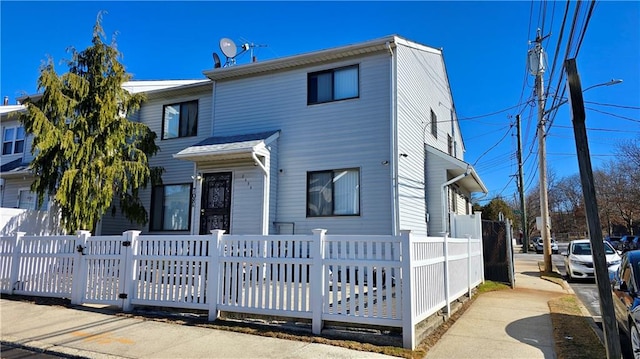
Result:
[
  {"x": 498, "y": 254},
  {"x": 103, "y": 267}
]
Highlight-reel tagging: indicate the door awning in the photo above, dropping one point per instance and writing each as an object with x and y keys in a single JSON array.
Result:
[
  {"x": 224, "y": 148},
  {"x": 456, "y": 167},
  {"x": 14, "y": 168}
]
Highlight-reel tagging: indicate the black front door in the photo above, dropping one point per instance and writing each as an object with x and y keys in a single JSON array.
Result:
[{"x": 215, "y": 212}]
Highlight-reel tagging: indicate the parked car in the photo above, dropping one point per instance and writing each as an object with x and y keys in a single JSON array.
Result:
[
  {"x": 613, "y": 240},
  {"x": 539, "y": 246},
  {"x": 533, "y": 241},
  {"x": 628, "y": 242},
  {"x": 579, "y": 261},
  {"x": 625, "y": 286}
]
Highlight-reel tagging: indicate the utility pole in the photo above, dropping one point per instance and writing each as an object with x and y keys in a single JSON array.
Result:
[
  {"x": 537, "y": 67},
  {"x": 610, "y": 325},
  {"x": 523, "y": 213}
]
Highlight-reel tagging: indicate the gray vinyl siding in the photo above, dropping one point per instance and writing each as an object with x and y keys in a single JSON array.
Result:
[
  {"x": 246, "y": 200},
  {"x": 176, "y": 171},
  {"x": 421, "y": 88},
  {"x": 273, "y": 186},
  {"x": 437, "y": 175},
  {"x": 352, "y": 133},
  {"x": 11, "y": 189}
]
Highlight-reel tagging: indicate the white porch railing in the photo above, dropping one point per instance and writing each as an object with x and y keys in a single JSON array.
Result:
[{"x": 391, "y": 281}]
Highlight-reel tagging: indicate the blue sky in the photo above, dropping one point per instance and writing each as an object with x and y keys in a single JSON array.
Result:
[{"x": 485, "y": 46}]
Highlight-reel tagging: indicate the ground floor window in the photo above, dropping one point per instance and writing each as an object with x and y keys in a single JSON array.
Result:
[
  {"x": 333, "y": 193},
  {"x": 170, "y": 207},
  {"x": 29, "y": 200}
]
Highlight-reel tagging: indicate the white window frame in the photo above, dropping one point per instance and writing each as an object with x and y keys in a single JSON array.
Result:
[
  {"x": 162, "y": 221},
  {"x": 330, "y": 78},
  {"x": 13, "y": 140},
  {"x": 335, "y": 196},
  {"x": 34, "y": 206}
]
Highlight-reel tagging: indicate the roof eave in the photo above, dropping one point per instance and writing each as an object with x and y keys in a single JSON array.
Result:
[{"x": 309, "y": 58}]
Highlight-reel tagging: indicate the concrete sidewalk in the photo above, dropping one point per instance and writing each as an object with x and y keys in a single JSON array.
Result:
[
  {"x": 506, "y": 324},
  {"x": 86, "y": 333}
]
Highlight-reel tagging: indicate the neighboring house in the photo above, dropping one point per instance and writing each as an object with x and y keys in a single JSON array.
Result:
[
  {"x": 359, "y": 139},
  {"x": 15, "y": 178},
  {"x": 19, "y": 210}
]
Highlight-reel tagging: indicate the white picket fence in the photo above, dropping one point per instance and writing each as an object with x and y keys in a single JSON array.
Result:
[{"x": 390, "y": 281}]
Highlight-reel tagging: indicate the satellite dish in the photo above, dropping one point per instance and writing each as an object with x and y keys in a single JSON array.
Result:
[
  {"x": 228, "y": 47},
  {"x": 216, "y": 61}
]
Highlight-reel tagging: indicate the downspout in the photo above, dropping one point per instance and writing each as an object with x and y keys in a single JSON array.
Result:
[
  {"x": 395, "y": 205},
  {"x": 265, "y": 194},
  {"x": 213, "y": 108},
  {"x": 445, "y": 203}
]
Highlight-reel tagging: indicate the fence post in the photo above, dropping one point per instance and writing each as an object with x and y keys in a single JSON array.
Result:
[
  {"x": 130, "y": 268},
  {"x": 15, "y": 261},
  {"x": 446, "y": 272},
  {"x": 408, "y": 297},
  {"x": 478, "y": 217},
  {"x": 79, "y": 278},
  {"x": 469, "y": 265},
  {"x": 317, "y": 282},
  {"x": 213, "y": 285}
]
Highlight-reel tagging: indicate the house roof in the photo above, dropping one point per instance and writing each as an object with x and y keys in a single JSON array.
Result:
[
  {"x": 150, "y": 86},
  {"x": 11, "y": 108},
  {"x": 14, "y": 167},
  {"x": 228, "y": 147},
  {"x": 315, "y": 57},
  {"x": 457, "y": 167}
]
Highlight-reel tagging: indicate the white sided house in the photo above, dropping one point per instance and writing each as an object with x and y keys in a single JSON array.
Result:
[{"x": 360, "y": 139}]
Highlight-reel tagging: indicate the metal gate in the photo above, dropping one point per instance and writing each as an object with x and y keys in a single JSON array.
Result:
[
  {"x": 103, "y": 269},
  {"x": 498, "y": 252}
]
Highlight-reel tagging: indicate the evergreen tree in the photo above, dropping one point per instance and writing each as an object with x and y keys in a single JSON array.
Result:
[
  {"x": 493, "y": 209},
  {"x": 86, "y": 152}
]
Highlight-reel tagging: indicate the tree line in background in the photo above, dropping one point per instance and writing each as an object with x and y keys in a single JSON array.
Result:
[{"x": 617, "y": 185}]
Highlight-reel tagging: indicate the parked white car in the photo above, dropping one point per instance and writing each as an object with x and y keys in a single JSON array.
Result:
[
  {"x": 539, "y": 245},
  {"x": 578, "y": 260}
]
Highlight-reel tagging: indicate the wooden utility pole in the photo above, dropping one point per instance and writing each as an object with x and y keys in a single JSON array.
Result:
[
  {"x": 610, "y": 325},
  {"x": 537, "y": 67},
  {"x": 523, "y": 213}
]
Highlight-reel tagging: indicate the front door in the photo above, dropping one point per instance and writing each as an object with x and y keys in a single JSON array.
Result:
[{"x": 215, "y": 212}]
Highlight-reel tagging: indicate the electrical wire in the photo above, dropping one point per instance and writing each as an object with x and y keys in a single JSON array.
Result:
[
  {"x": 600, "y": 129},
  {"x": 555, "y": 56},
  {"x": 489, "y": 114},
  {"x": 584, "y": 27},
  {"x": 495, "y": 145},
  {"x": 613, "y": 114},
  {"x": 612, "y": 105}
]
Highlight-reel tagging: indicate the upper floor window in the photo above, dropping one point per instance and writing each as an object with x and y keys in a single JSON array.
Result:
[
  {"x": 333, "y": 85},
  {"x": 333, "y": 193},
  {"x": 170, "y": 206},
  {"x": 450, "y": 144},
  {"x": 434, "y": 124},
  {"x": 13, "y": 140},
  {"x": 180, "y": 120}
]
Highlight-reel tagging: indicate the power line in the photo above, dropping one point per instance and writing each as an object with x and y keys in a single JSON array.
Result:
[
  {"x": 555, "y": 56},
  {"x": 487, "y": 133},
  {"x": 584, "y": 27},
  {"x": 495, "y": 145},
  {"x": 612, "y": 105},
  {"x": 600, "y": 129},
  {"x": 489, "y": 114},
  {"x": 613, "y": 114}
]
